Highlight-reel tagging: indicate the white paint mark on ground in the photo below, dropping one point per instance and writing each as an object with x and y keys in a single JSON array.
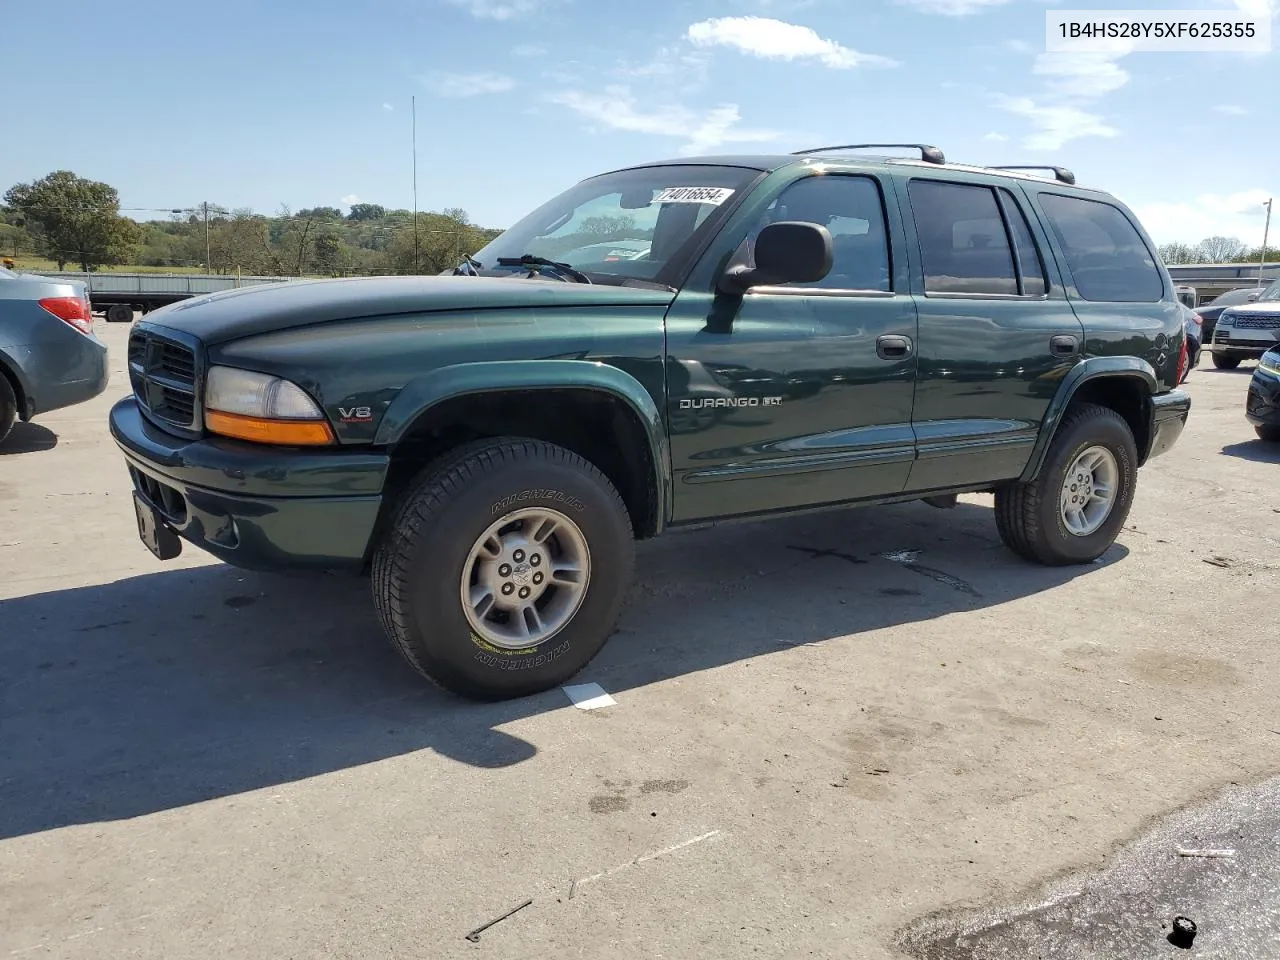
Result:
[
  {"x": 643, "y": 858},
  {"x": 588, "y": 696}
]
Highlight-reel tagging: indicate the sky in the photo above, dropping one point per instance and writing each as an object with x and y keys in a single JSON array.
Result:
[{"x": 250, "y": 104}]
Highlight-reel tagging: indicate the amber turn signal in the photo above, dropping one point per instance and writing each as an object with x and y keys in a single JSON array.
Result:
[{"x": 296, "y": 433}]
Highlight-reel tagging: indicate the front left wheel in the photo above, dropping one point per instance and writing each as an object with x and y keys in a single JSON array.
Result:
[{"x": 504, "y": 569}]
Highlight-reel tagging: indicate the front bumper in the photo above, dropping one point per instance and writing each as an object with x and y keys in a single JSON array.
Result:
[
  {"x": 1169, "y": 412},
  {"x": 1262, "y": 404},
  {"x": 1244, "y": 342},
  {"x": 255, "y": 506}
]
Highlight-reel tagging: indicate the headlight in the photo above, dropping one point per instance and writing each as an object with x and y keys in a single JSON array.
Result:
[
  {"x": 262, "y": 408},
  {"x": 1225, "y": 318},
  {"x": 1270, "y": 362}
]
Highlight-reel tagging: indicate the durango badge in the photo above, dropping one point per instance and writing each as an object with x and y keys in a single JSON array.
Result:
[{"x": 709, "y": 402}]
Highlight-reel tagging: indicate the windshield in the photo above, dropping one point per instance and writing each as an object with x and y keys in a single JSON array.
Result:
[
  {"x": 622, "y": 226},
  {"x": 1272, "y": 292}
]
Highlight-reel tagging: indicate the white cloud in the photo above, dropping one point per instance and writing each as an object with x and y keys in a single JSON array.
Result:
[
  {"x": 1259, "y": 8},
  {"x": 779, "y": 40},
  {"x": 1232, "y": 110},
  {"x": 1240, "y": 215},
  {"x": 529, "y": 50},
  {"x": 955, "y": 8},
  {"x": 701, "y": 131},
  {"x": 996, "y": 137},
  {"x": 669, "y": 62},
  {"x": 1056, "y": 124},
  {"x": 499, "y": 9},
  {"x": 387, "y": 107},
  {"x": 1018, "y": 46},
  {"x": 349, "y": 199},
  {"x": 467, "y": 84},
  {"x": 1084, "y": 75}
]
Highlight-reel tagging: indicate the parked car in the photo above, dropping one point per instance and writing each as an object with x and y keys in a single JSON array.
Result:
[
  {"x": 1247, "y": 331},
  {"x": 1262, "y": 405},
  {"x": 505, "y": 435},
  {"x": 1193, "y": 326},
  {"x": 49, "y": 355},
  {"x": 1210, "y": 311}
]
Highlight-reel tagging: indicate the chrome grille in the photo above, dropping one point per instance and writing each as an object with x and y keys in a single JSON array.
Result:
[{"x": 162, "y": 373}]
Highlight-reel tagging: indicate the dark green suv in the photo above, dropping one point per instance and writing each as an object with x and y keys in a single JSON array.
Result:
[{"x": 658, "y": 346}]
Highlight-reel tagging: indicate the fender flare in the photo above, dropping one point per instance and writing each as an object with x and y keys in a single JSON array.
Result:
[
  {"x": 1086, "y": 371},
  {"x": 431, "y": 389}
]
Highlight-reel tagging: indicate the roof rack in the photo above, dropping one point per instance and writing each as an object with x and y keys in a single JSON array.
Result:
[
  {"x": 1061, "y": 174},
  {"x": 928, "y": 154}
]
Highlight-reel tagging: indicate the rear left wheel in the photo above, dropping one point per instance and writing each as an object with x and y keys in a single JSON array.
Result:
[
  {"x": 1076, "y": 506},
  {"x": 8, "y": 406},
  {"x": 504, "y": 569},
  {"x": 119, "y": 313}
]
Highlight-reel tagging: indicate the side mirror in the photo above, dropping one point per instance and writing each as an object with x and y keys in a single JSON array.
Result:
[
  {"x": 786, "y": 252},
  {"x": 1251, "y": 298}
]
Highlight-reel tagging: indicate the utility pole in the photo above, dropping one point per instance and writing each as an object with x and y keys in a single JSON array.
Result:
[
  {"x": 413, "y": 109},
  {"x": 1262, "y": 261},
  {"x": 207, "y": 258}
]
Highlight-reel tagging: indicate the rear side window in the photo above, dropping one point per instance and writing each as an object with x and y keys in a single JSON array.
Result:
[
  {"x": 1105, "y": 254},
  {"x": 963, "y": 241}
]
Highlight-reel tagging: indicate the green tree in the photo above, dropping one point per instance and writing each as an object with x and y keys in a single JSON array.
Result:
[
  {"x": 1175, "y": 253},
  {"x": 366, "y": 211},
  {"x": 75, "y": 220}
]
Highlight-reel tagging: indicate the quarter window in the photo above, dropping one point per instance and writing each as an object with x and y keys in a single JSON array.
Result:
[
  {"x": 1105, "y": 254},
  {"x": 963, "y": 241}
]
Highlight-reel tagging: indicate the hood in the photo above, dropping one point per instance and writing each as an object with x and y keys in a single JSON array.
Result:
[
  {"x": 1268, "y": 308},
  {"x": 247, "y": 311}
]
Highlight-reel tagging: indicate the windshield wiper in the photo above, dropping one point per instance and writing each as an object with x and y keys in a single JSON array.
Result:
[
  {"x": 474, "y": 265},
  {"x": 529, "y": 260}
]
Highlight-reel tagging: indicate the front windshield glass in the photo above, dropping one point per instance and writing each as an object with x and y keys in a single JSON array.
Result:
[
  {"x": 628, "y": 225},
  {"x": 1272, "y": 292}
]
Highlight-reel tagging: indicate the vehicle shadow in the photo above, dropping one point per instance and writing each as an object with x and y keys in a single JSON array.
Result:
[
  {"x": 1259, "y": 451},
  {"x": 157, "y": 691},
  {"x": 28, "y": 438}
]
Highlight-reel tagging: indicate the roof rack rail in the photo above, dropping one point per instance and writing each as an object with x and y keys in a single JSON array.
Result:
[
  {"x": 929, "y": 154},
  {"x": 1061, "y": 174}
]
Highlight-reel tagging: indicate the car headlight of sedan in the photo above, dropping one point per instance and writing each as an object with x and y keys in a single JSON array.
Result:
[
  {"x": 262, "y": 408},
  {"x": 1270, "y": 362}
]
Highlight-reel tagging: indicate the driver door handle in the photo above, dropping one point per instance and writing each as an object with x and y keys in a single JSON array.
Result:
[{"x": 893, "y": 347}]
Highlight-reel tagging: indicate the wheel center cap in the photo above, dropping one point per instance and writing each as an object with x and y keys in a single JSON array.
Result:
[{"x": 522, "y": 573}]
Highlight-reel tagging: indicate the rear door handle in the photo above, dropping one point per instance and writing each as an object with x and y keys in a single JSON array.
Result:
[
  {"x": 893, "y": 347},
  {"x": 1064, "y": 346}
]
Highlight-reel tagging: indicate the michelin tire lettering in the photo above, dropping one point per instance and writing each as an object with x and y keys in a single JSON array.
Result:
[{"x": 555, "y": 496}]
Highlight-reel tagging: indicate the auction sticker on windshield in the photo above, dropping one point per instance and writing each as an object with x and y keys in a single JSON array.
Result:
[{"x": 712, "y": 195}]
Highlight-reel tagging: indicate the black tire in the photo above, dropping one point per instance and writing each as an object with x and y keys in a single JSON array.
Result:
[
  {"x": 1266, "y": 432},
  {"x": 8, "y": 406},
  {"x": 418, "y": 565},
  {"x": 1224, "y": 361},
  {"x": 1028, "y": 517},
  {"x": 119, "y": 313}
]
